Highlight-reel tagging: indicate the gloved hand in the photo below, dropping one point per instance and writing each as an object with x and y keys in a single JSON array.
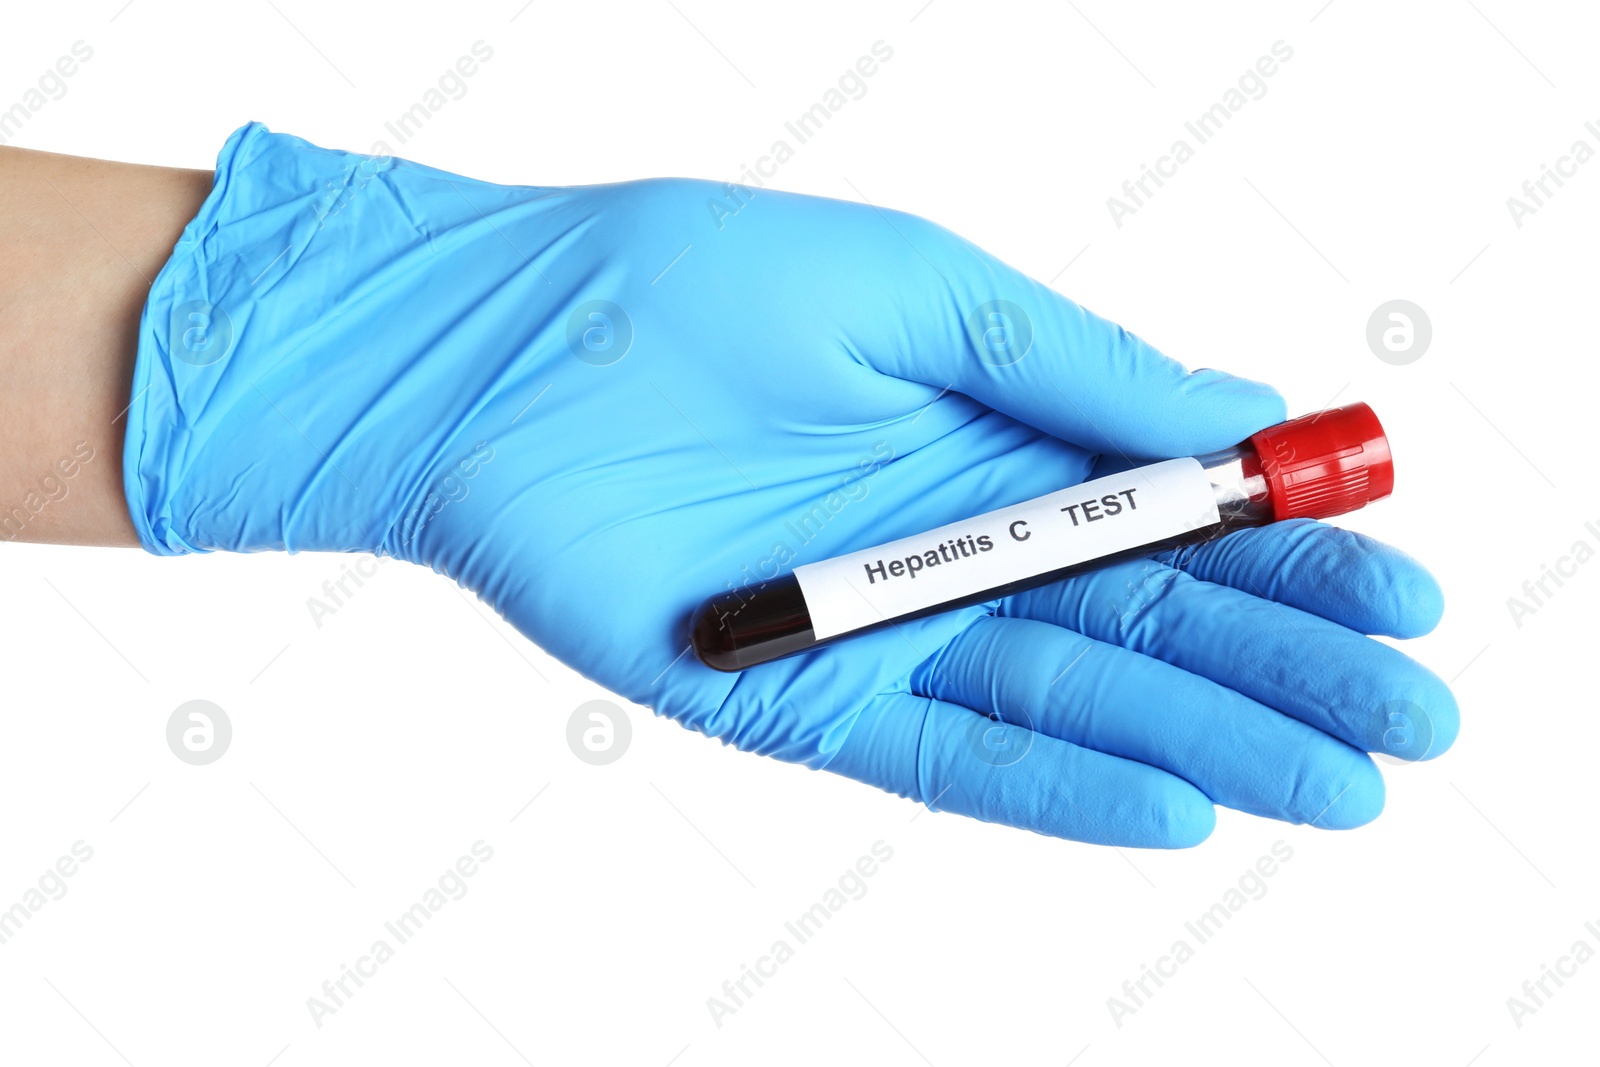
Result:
[{"x": 597, "y": 406}]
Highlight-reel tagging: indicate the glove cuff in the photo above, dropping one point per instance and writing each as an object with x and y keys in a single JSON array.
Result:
[{"x": 311, "y": 356}]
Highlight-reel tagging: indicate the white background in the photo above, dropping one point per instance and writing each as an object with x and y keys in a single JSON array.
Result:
[{"x": 369, "y": 753}]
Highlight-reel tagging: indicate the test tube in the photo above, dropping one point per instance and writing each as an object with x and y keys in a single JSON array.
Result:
[{"x": 1316, "y": 466}]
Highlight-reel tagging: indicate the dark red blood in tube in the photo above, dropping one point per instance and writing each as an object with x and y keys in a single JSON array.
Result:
[{"x": 1317, "y": 466}]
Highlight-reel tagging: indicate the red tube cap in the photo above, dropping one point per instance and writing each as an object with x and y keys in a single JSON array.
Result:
[{"x": 1325, "y": 463}]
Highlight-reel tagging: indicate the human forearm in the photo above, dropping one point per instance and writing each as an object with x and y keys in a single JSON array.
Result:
[{"x": 82, "y": 239}]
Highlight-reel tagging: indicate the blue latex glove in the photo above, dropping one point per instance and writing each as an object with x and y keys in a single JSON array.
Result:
[{"x": 597, "y": 406}]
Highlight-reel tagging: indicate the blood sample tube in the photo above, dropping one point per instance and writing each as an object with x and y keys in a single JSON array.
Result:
[{"x": 1319, "y": 465}]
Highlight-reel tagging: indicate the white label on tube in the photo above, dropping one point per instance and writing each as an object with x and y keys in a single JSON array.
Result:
[{"x": 1070, "y": 526}]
